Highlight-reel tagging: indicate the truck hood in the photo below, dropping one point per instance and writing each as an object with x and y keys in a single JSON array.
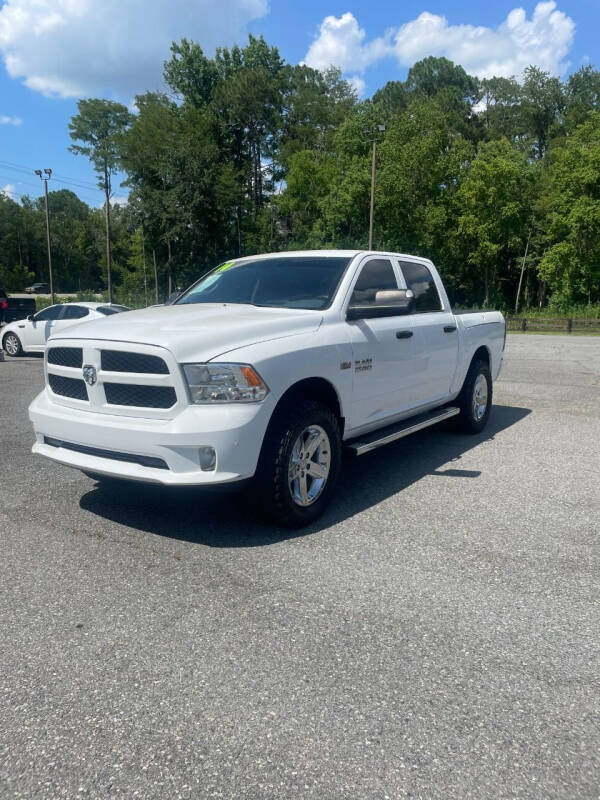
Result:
[{"x": 197, "y": 332}]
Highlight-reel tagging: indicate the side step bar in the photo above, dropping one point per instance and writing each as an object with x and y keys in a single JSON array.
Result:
[{"x": 371, "y": 441}]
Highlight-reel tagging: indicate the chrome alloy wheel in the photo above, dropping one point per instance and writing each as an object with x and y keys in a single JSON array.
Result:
[
  {"x": 480, "y": 397},
  {"x": 310, "y": 462},
  {"x": 11, "y": 344}
]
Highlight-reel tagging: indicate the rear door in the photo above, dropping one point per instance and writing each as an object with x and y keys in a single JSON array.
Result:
[
  {"x": 383, "y": 351},
  {"x": 71, "y": 314},
  {"x": 435, "y": 335}
]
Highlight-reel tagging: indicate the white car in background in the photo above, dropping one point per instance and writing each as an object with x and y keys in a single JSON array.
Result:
[{"x": 30, "y": 335}]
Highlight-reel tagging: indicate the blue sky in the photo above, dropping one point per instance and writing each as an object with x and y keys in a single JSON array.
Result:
[{"x": 54, "y": 51}]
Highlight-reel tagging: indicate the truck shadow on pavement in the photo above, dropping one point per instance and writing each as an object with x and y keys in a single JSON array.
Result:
[{"x": 223, "y": 519}]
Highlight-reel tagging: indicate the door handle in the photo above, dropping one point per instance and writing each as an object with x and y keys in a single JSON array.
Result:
[
  {"x": 449, "y": 328},
  {"x": 403, "y": 334}
]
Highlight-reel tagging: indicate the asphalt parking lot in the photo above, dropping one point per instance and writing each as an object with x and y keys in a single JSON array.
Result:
[{"x": 436, "y": 635}]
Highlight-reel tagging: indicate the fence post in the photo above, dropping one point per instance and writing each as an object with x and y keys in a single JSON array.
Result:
[
  {"x": 569, "y": 325},
  {"x": 523, "y": 324}
]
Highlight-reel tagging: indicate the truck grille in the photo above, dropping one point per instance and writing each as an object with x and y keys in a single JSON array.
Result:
[
  {"x": 127, "y": 394},
  {"x": 65, "y": 356},
  {"x": 129, "y": 379},
  {"x": 120, "y": 361},
  {"x": 68, "y": 387}
]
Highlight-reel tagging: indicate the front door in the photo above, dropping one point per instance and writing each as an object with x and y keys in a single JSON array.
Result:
[
  {"x": 383, "y": 352},
  {"x": 37, "y": 331}
]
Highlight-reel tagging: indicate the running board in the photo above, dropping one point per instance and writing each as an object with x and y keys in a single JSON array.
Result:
[{"x": 371, "y": 441}]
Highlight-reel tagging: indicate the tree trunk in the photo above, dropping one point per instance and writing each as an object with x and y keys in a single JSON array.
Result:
[
  {"x": 169, "y": 274},
  {"x": 522, "y": 271},
  {"x": 155, "y": 275},
  {"x": 144, "y": 264},
  {"x": 107, "y": 212},
  {"x": 486, "y": 299}
]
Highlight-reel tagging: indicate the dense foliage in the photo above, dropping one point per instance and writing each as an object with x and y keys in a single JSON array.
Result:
[{"x": 246, "y": 153}]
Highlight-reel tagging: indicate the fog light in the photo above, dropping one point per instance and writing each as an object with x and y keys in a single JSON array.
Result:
[{"x": 208, "y": 458}]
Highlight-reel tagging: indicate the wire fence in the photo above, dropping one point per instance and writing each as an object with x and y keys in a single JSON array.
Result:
[{"x": 552, "y": 325}]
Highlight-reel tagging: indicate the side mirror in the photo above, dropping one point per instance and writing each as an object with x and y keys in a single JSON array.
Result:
[
  {"x": 389, "y": 303},
  {"x": 31, "y": 317}
]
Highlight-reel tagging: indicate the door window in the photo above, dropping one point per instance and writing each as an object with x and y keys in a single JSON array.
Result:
[
  {"x": 75, "y": 312},
  {"x": 420, "y": 280},
  {"x": 376, "y": 276},
  {"x": 50, "y": 313}
]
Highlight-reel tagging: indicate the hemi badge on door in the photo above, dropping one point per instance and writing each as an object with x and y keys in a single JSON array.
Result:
[
  {"x": 345, "y": 365},
  {"x": 364, "y": 365}
]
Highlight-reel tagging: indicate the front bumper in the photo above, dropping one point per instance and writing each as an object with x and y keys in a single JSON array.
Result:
[{"x": 235, "y": 431}]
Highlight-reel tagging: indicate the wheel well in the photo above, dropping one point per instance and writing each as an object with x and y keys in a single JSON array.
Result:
[
  {"x": 313, "y": 389},
  {"x": 481, "y": 354}
]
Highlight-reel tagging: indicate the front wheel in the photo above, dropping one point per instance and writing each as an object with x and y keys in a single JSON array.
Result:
[
  {"x": 300, "y": 464},
  {"x": 475, "y": 398},
  {"x": 12, "y": 344}
]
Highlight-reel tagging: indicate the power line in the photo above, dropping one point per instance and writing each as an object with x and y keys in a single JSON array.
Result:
[
  {"x": 64, "y": 178},
  {"x": 82, "y": 187},
  {"x": 20, "y": 182}
]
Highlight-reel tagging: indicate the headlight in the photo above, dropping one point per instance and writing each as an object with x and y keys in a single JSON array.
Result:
[{"x": 224, "y": 383}]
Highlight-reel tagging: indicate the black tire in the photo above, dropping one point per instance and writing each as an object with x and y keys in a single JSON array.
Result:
[
  {"x": 16, "y": 348},
  {"x": 272, "y": 493},
  {"x": 471, "y": 420}
]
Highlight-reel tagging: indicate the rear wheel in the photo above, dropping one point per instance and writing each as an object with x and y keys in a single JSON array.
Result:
[
  {"x": 12, "y": 344},
  {"x": 300, "y": 464},
  {"x": 475, "y": 398}
]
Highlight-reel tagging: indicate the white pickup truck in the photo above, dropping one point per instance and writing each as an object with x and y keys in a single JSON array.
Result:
[{"x": 266, "y": 369}]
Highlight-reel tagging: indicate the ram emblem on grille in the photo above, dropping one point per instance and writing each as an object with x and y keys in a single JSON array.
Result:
[{"x": 89, "y": 374}]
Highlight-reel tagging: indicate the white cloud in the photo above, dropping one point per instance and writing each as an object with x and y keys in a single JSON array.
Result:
[
  {"x": 5, "y": 120},
  {"x": 70, "y": 48},
  {"x": 543, "y": 40},
  {"x": 341, "y": 43},
  {"x": 9, "y": 190},
  {"x": 359, "y": 85}
]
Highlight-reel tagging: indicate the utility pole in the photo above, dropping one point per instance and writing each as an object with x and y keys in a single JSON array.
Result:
[
  {"x": 376, "y": 134},
  {"x": 48, "y": 173},
  {"x": 521, "y": 276}
]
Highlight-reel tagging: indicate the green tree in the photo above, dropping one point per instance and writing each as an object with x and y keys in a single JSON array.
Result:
[
  {"x": 582, "y": 94},
  {"x": 571, "y": 263},
  {"x": 493, "y": 206},
  {"x": 543, "y": 106},
  {"x": 99, "y": 126}
]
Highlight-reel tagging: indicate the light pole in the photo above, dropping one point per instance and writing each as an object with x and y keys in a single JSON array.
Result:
[
  {"x": 45, "y": 180},
  {"x": 375, "y": 134}
]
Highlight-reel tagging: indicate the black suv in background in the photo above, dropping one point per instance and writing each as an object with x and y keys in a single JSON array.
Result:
[{"x": 12, "y": 308}]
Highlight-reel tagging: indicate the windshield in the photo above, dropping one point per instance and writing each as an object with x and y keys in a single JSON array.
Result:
[
  {"x": 107, "y": 310},
  {"x": 306, "y": 282}
]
